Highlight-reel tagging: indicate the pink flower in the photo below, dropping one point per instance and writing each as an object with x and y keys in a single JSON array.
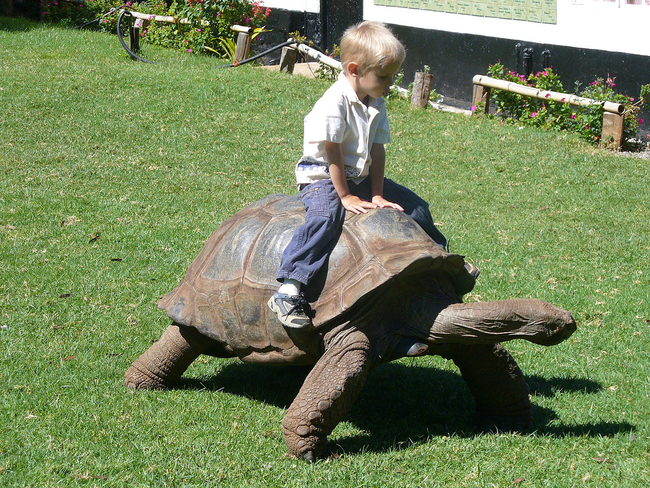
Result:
[
  {"x": 189, "y": 50},
  {"x": 573, "y": 116},
  {"x": 631, "y": 99},
  {"x": 198, "y": 30},
  {"x": 548, "y": 95},
  {"x": 474, "y": 108},
  {"x": 641, "y": 121},
  {"x": 534, "y": 114}
]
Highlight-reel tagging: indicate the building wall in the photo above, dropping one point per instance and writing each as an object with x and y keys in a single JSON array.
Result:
[{"x": 580, "y": 39}]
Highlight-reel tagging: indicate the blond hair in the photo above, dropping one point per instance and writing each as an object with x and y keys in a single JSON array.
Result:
[{"x": 371, "y": 45}]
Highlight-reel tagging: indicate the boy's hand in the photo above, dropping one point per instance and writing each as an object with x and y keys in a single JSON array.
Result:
[
  {"x": 356, "y": 205},
  {"x": 381, "y": 202}
]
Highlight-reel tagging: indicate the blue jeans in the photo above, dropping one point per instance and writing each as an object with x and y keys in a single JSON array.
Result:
[{"x": 313, "y": 242}]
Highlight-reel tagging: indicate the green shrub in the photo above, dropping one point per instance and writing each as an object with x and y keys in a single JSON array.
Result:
[
  {"x": 195, "y": 37},
  {"x": 585, "y": 121}
]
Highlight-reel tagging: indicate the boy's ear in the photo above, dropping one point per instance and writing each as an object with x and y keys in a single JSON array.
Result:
[{"x": 353, "y": 68}]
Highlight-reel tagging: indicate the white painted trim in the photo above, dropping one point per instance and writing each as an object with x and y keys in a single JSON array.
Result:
[{"x": 311, "y": 6}]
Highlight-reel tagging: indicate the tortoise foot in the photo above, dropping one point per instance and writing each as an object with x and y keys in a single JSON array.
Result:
[
  {"x": 308, "y": 448},
  {"x": 136, "y": 379}
]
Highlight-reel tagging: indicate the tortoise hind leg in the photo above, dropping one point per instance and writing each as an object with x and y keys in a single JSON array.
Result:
[
  {"x": 165, "y": 361},
  {"x": 497, "y": 384}
]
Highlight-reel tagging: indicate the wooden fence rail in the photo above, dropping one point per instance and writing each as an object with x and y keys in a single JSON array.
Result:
[
  {"x": 244, "y": 37},
  {"x": 612, "y": 118}
]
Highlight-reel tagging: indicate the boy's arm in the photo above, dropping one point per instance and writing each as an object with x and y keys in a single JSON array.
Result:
[
  {"x": 350, "y": 202},
  {"x": 378, "y": 155}
]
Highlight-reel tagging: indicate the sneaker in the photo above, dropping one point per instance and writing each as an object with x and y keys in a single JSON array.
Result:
[{"x": 293, "y": 311}]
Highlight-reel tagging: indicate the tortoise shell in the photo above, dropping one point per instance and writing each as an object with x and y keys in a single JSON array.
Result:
[{"x": 225, "y": 291}]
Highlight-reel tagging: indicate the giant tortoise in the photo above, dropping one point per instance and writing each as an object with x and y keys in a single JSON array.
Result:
[{"x": 389, "y": 291}]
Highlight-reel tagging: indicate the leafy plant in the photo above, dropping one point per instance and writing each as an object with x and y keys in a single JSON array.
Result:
[
  {"x": 326, "y": 72},
  {"x": 585, "y": 121},
  {"x": 210, "y": 20},
  {"x": 228, "y": 47},
  {"x": 395, "y": 90}
]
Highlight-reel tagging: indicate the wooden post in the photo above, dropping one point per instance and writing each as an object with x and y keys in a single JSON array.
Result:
[
  {"x": 612, "y": 128},
  {"x": 134, "y": 34},
  {"x": 288, "y": 59},
  {"x": 421, "y": 89},
  {"x": 243, "y": 46},
  {"x": 481, "y": 99}
]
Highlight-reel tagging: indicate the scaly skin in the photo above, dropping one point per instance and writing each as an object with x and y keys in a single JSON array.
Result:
[
  {"x": 329, "y": 391},
  {"x": 162, "y": 365}
]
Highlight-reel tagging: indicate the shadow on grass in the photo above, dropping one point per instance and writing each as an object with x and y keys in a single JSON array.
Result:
[
  {"x": 402, "y": 405},
  {"x": 16, "y": 24}
]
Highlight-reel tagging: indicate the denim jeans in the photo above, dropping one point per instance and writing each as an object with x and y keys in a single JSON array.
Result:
[{"x": 313, "y": 242}]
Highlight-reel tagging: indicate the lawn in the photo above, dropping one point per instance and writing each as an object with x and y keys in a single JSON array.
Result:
[{"x": 114, "y": 174}]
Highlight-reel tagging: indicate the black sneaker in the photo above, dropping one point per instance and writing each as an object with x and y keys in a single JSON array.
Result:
[{"x": 293, "y": 311}]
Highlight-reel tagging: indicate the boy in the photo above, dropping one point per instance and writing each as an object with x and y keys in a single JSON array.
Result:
[{"x": 342, "y": 168}]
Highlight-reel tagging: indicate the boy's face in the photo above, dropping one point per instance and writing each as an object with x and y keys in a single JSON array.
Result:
[{"x": 373, "y": 83}]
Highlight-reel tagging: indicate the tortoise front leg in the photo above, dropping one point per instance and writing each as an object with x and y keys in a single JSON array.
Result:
[
  {"x": 329, "y": 391},
  {"x": 165, "y": 361},
  {"x": 497, "y": 384}
]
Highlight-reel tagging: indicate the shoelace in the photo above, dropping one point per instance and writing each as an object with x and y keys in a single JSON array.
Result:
[{"x": 300, "y": 302}]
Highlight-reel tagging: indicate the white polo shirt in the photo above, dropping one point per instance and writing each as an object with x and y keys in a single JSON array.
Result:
[{"x": 339, "y": 116}]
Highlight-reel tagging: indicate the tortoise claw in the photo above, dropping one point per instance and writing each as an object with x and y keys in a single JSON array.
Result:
[{"x": 309, "y": 457}]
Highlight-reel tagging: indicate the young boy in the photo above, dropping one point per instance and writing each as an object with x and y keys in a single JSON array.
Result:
[{"x": 342, "y": 168}]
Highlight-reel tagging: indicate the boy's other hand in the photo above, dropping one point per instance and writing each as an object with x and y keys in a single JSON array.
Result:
[
  {"x": 381, "y": 202},
  {"x": 356, "y": 205}
]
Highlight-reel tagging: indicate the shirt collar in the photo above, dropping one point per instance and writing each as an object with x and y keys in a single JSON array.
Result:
[{"x": 352, "y": 95}]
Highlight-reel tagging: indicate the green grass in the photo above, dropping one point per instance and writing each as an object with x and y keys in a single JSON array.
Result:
[{"x": 114, "y": 173}]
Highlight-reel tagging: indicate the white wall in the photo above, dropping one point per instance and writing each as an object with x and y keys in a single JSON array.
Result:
[{"x": 593, "y": 24}]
